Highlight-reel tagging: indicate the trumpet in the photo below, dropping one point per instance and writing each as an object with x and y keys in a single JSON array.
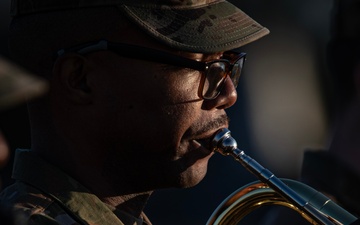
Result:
[{"x": 311, "y": 204}]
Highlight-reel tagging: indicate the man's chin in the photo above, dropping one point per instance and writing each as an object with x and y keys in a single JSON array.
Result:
[{"x": 194, "y": 174}]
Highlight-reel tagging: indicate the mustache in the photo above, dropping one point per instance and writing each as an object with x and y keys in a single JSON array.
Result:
[{"x": 222, "y": 120}]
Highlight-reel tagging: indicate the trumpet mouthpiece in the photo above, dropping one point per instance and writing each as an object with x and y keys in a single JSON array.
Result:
[{"x": 223, "y": 142}]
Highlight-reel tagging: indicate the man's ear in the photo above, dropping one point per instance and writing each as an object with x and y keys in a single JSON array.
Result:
[{"x": 71, "y": 71}]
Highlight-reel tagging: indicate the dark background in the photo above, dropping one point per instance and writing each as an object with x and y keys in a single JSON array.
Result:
[{"x": 283, "y": 106}]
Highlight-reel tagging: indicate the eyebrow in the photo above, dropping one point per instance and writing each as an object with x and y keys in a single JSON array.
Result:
[
  {"x": 193, "y": 55},
  {"x": 213, "y": 56}
]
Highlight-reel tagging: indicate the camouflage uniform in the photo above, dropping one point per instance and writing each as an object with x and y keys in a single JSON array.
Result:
[
  {"x": 42, "y": 194},
  {"x": 46, "y": 195}
]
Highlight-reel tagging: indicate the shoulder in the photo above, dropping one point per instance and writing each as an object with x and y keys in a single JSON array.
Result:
[{"x": 31, "y": 206}]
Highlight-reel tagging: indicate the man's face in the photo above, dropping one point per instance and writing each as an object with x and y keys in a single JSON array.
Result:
[{"x": 150, "y": 115}]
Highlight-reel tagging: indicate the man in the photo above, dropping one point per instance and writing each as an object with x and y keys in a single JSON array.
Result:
[{"x": 134, "y": 87}]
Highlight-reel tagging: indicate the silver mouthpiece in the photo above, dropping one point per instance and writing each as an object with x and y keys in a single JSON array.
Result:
[{"x": 223, "y": 142}]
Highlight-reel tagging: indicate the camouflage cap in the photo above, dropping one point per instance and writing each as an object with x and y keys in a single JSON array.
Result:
[
  {"x": 190, "y": 25},
  {"x": 16, "y": 85}
]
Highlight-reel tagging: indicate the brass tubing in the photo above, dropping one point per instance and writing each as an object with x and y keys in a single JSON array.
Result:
[{"x": 226, "y": 145}]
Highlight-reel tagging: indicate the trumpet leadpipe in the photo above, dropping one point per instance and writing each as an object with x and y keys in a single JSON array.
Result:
[{"x": 225, "y": 144}]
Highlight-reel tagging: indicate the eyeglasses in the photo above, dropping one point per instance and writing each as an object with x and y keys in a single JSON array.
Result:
[{"x": 215, "y": 71}]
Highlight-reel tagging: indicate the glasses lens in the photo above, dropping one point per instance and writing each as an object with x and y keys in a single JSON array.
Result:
[
  {"x": 215, "y": 76},
  {"x": 236, "y": 71}
]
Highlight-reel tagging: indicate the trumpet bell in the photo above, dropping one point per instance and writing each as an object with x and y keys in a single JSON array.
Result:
[
  {"x": 315, "y": 207},
  {"x": 257, "y": 194}
]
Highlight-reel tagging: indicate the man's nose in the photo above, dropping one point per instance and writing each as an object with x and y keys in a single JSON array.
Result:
[{"x": 225, "y": 99}]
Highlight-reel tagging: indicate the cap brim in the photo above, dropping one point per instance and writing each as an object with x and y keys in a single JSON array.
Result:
[
  {"x": 215, "y": 27},
  {"x": 16, "y": 85},
  {"x": 197, "y": 26}
]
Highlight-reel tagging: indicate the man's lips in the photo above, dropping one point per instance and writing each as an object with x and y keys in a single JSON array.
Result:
[
  {"x": 204, "y": 143},
  {"x": 206, "y": 140},
  {"x": 205, "y": 134}
]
